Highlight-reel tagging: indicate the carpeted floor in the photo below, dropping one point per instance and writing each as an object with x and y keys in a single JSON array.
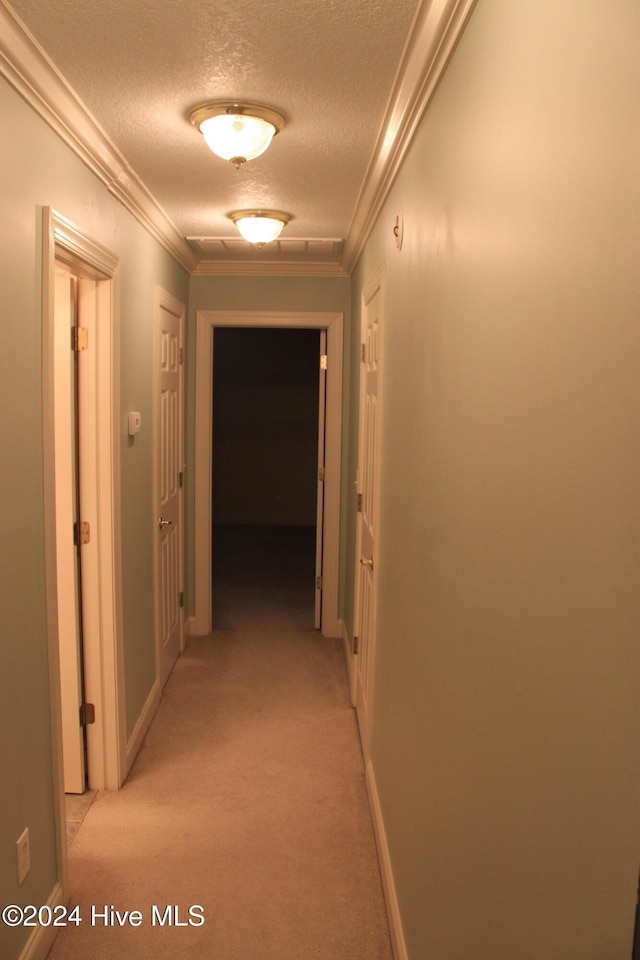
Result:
[
  {"x": 247, "y": 799},
  {"x": 263, "y": 576}
]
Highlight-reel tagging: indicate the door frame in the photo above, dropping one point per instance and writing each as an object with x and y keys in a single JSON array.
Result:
[
  {"x": 206, "y": 322},
  {"x": 106, "y": 747},
  {"x": 166, "y": 301}
]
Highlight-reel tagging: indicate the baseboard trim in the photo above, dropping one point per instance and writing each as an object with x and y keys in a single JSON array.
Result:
[
  {"x": 331, "y": 629},
  {"x": 388, "y": 883},
  {"x": 41, "y": 940},
  {"x": 142, "y": 725}
]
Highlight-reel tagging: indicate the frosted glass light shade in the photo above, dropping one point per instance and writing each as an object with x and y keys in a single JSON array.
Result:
[
  {"x": 260, "y": 226},
  {"x": 234, "y": 137},
  {"x": 237, "y": 131}
]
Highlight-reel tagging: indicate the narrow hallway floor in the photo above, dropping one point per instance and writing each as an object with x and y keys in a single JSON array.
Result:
[
  {"x": 263, "y": 575},
  {"x": 247, "y": 804}
]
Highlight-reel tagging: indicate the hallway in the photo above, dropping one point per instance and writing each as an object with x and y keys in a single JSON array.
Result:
[{"x": 248, "y": 796}]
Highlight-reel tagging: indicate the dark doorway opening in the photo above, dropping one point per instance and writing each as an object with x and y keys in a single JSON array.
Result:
[{"x": 264, "y": 477}]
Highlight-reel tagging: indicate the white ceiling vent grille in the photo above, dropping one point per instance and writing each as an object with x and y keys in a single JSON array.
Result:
[{"x": 228, "y": 248}]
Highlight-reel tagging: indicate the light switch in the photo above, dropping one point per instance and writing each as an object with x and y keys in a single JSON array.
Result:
[{"x": 135, "y": 423}]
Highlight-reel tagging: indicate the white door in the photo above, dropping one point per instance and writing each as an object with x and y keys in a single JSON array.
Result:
[
  {"x": 368, "y": 499},
  {"x": 322, "y": 396},
  {"x": 67, "y": 515},
  {"x": 168, "y": 514}
]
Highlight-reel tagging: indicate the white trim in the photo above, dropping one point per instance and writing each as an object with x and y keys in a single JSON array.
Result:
[
  {"x": 28, "y": 69},
  {"x": 41, "y": 940},
  {"x": 51, "y": 565},
  {"x": 104, "y": 657},
  {"x": 142, "y": 726},
  {"x": 105, "y": 680},
  {"x": 206, "y": 321},
  {"x": 436, "y": 30},
  {"x": 386, "y": 871}
]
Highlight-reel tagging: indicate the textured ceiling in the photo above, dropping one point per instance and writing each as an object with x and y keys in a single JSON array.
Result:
[{"x": 140, "y": 66}]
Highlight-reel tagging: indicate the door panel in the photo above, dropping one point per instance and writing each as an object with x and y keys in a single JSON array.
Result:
[
  {"x": 169, "y": 491},
  {"x": 67, "y": 553},
  {"x": 368, "y": 490},
  {"x": 322, "y": 395}
]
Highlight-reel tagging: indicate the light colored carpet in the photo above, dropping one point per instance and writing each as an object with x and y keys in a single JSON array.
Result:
[{"x": 247, "y": 798}]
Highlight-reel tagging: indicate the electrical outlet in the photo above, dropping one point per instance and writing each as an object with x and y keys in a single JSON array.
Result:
[{"x": 23, "y": 854}]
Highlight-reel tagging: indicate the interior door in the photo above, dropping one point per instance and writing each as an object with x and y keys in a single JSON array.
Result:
[
  {"x": 169, "y": 466},
  {"x": 368, "y": 502},
  {"x": 66, "y": 363},
  {"x": 322, "y": 396}
]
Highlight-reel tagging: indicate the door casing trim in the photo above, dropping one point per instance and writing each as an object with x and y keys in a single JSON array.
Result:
[
  {"x": 206, "y": 322},
  {"x": 104, "y": 679}
]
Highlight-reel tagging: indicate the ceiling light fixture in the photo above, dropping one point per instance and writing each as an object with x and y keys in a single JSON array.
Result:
[
  {"x": 260, "y": 226},
  {"x": 237, "y": 131}
]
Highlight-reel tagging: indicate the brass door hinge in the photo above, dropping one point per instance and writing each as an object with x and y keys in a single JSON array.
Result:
[
  {"x": 323, "y": 361},
  {"x": 363, "y": 353},
  {"x": 181, "y": 479},
  {"x": 318, "y": 583},
  {"x": 321, "y": 474},
  {"x": 359, "y": 503},
  {"x": 81, "y": 532},
  {"x": 355, "y": 644},
  {"x": 87, "y": 714},
  {"x": 181, "y": 599},
  {"x": 181, "y": 355},
  {"x": 79, "y": 338}
]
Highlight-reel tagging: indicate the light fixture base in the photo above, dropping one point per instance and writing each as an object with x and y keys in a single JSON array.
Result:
[{"x": 217, "y": 108}]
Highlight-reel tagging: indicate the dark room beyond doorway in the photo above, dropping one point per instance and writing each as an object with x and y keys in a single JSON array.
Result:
[{"x": 264, "y": 476}]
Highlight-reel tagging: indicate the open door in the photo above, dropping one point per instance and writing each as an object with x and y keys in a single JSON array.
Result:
[
  {"x": 169, "y": 469},
  {"x": 322, "y": 395},
  {"x": 368, "y": 499},
  {"x": 68, "y": 540}
]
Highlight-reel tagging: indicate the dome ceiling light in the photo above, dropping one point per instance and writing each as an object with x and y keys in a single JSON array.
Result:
[
  {"x": 237, "y": 131},
  {"x": 260, "y": 226}
]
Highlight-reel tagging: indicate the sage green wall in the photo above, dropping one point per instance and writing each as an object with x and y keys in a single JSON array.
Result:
[
  {"x": 319, "y": 294},
  {"x": 506, "y": 703},
  {"x": 36, "y": 170}
]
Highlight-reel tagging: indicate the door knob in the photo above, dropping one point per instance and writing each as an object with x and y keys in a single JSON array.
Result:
[
  {"x": 164, "y": 523},
  {"x": 367, "y": 562}
]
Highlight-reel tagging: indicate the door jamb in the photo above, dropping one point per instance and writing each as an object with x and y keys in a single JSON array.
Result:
[
  {"x": 63, "y": 241},
  {"x": 206, "y": 322}
]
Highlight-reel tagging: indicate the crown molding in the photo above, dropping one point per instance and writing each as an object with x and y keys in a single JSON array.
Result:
[
  {"x": 437, "y": 28},
  {"x": 29, "y": 70}
]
